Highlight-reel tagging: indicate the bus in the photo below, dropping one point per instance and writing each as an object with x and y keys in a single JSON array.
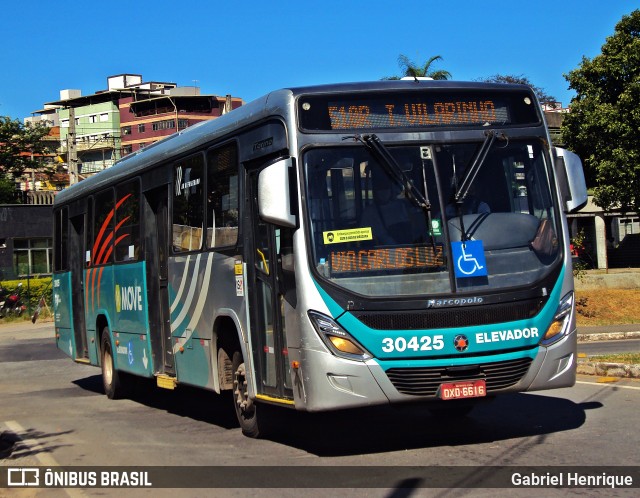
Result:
[{"x": 330, "y": 247}]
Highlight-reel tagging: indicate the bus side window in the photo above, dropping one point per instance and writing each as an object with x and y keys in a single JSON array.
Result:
[
  {"x": 127, "y": 228},
  {"x": 102, "y": 244},
  {"x": 188, "y": 210},
  {"x": 222, "y": 196}
]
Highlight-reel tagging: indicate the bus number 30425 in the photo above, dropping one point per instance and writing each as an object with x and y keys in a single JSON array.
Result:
[{"x": 424, "y": 343}]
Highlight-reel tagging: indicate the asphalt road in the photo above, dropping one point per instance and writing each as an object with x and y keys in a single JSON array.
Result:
[
  {"x": 609, "y": 347},
  {"x": 58, "y": 416}
]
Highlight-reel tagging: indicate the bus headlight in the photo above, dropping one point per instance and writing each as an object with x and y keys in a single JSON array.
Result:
[
  {"x": 560, "y": 325},
  {"x": 338, "y": 340}
]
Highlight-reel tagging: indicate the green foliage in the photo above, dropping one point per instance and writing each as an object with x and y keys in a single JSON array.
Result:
[
  {"x": 21, "y": 146},
  {"x": 542, "y": 95},
  {"x": 31, "y": 291},
  {"x": 603, "y": 127},
  {"x": 7, "y": 191},
  {"x": 410, "y": 68}
]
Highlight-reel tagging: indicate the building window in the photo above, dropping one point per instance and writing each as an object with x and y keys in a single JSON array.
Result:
[
  {"x": 182, "y": 124},
  {"x": 64, "y": 123},
  {"x": 92, "y": 118},
  {"x": 32, "y": 256},
  {"x": 163, "y": 125},
  {"x": 141, "y": 128},
  {"x": 127, "y": 149},
  {"x": 104, "y": 117},
  {"x": 126, "y": 130}
]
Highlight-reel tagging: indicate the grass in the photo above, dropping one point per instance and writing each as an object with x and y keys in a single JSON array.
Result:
[
  {"x": 630, "y": 358},
  {"x": 607, "y": 306}
]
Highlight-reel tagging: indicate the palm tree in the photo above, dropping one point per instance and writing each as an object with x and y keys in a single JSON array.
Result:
[{"x": 411, "y": 69}]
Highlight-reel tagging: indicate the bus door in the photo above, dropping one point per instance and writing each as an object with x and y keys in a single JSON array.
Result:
[
  {"x": 156, "y": 234},
  {"x": 265, "y": 248},
  {"x": 76, "y": 266}
]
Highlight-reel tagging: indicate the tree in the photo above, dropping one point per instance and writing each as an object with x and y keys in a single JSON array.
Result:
[
  {"x": 7, "y": 191},
  {"x": 410, "y": 68},
  {"x": 21, "y": 146},
  {"x": 603, "y": 127},
  {"x": 542, "y": 95}
]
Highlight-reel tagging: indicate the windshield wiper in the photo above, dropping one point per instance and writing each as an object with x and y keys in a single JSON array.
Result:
[
  {"x": 380, "y": 151},
  {"x": 471, "y": 172},
  {"x": 389, "y": 163}
]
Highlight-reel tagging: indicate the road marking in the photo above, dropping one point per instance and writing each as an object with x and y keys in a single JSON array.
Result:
[
  {"x": 40, "y": 453},
  {"x": 607, "y": 385}
]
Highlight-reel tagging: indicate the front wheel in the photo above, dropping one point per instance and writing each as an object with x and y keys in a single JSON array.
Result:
[
  {"x": 246, "y": 409},
  {"x": 113, "y": 387}
]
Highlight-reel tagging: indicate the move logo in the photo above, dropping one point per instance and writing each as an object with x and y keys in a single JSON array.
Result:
[{"x": 128, "y": 298}]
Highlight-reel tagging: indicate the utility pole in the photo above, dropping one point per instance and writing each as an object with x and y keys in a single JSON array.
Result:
[{"x": 72, "y": 149}]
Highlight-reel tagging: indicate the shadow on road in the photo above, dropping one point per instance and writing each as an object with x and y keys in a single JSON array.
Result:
[
  {"x": 12, "y": 446},
  {"x": 375, "y": 429}
]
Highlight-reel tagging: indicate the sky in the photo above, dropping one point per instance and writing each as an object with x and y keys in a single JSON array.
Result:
[{"x": 251, "y": 47}]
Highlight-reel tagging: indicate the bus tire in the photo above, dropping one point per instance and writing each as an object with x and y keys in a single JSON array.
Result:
[
  {"x": 113, "y": 387},
  {"x": 246, "y": 409}
]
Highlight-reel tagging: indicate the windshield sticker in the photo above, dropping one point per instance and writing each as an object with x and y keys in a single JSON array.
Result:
[
  {"x": 397, "y": 258},
  {"x": 469, "y": 259},
  {"x": 351, "y": 235},
  {"x": 436, "y": 227}
]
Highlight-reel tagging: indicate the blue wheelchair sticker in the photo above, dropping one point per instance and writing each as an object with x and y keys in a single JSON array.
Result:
[
  {"x": 469, "y": 259},
  {"x": 130, "y": 352}
]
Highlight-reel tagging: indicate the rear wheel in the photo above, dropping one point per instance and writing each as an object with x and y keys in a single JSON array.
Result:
[
  {"x": 246, "y": 409},
  {"x": 113, "y": 387}
]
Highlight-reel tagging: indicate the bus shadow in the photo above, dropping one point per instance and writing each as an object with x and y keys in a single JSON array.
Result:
[
  {"x": 185, "y": 401},
  {"x": 376, "y": 429},
  {"x": 384, "y": 429}
]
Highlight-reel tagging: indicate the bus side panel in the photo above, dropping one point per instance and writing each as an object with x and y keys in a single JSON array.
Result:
[
  {"x": 201, "y": 287},
  {"x": 62, "y": 309},
  {"x": 118, "y": 294}
]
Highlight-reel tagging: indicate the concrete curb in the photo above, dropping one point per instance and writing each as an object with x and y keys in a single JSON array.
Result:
[
  {"x": 608, "y": 336},
  {"x": 607, "y": 369}
]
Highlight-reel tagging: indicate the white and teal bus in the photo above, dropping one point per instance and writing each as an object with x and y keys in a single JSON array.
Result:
[{"x": 330, "y": 247}]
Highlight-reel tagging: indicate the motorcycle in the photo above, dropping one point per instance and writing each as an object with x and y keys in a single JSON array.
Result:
[{"x": 11, "y": 304}]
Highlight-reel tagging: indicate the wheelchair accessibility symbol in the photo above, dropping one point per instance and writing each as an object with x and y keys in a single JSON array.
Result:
[{"x": 469, "y": 259}]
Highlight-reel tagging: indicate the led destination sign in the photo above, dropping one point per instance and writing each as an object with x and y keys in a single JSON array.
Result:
[
  {"x": 397, "y": 258},
  {"x": 345, "y": 117},
  {"x": 416, "y": 110}
]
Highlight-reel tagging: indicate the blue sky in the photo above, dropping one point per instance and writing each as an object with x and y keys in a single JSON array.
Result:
[{"x": 251, "y": 47}]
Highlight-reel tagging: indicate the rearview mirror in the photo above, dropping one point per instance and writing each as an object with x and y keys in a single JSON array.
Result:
[
  {"x": 573, "y": 187},
  {"x": 276, "y": 184}
]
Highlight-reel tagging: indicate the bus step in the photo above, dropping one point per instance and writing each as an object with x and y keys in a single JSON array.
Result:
[{"x": 166, "y": 382}]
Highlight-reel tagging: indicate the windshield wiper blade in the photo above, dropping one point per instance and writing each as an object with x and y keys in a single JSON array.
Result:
[
  {"x": 373, "y": 143},
  {"x": 395, "y": 171},
  {"x": 472, "y": 171}
]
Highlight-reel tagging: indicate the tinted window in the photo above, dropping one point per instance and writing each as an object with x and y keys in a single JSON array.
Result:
[
  {"x": 187, "y": 204},
  {"x": 222, "y": 196}
]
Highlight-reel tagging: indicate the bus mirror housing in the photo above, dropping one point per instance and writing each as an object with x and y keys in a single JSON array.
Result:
[
  {"x": 573, "y": 187},
  {"x": 275, "y": 184}
]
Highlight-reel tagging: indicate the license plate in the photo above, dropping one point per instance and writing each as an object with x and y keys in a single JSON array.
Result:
[{"x": 464, "y": 389}]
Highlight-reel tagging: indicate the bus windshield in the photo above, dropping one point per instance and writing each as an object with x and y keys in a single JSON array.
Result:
[{"x": 371, "y": 237}]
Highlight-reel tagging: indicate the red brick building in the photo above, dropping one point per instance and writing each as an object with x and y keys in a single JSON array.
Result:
[{"x": 146, "y": 118}]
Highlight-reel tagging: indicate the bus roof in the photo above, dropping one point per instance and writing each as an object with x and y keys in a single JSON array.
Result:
[{"x": 272, "y": 104}]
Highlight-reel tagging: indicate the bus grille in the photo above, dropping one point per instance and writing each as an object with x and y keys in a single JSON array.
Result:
[
  {"x": 426, "y": 381},
  {"x": 450, "y": 317}
]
